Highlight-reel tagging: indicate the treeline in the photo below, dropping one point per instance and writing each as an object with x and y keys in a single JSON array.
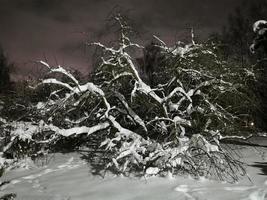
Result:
[{"x": 236, "y": 39}]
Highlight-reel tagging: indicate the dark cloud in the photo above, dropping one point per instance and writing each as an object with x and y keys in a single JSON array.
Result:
[{"x": 30, "y": 29}]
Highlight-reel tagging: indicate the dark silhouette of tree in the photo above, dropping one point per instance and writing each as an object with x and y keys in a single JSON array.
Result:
[
  {"x": 238, "y": 34},
  {"x": 152, "y": 57},
  {"x": 260, "y": 44},
  {"x": 5, "y": 67},
  {"x": 237, "y": 37},
  {"x": 260, "y": 40}
]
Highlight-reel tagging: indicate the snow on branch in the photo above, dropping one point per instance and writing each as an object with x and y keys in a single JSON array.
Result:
[
  {"x": 60, "y": 70},
  {"x": 80, "y": 130},
  {"x": 133, "y": 115},
  {"x": 123, "y": 74},
  {"x": 57, "y": 82}
]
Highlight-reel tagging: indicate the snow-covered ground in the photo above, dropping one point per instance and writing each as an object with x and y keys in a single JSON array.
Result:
[{"x": 68, "y": 177}]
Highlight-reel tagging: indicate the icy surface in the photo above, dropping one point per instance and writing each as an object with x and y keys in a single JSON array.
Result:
[{"x": 68, "y": 177}]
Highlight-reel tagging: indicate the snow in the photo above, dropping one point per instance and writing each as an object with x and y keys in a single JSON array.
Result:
[
  {"x": 24, "y": 130},
  {"x": 182, "y": 188},
  {"x": 80, "y": 130},
  {"x": 258, "y": 195},
  {"x": 179, "y": 120},
  {"x": 89, "y": 87},
  {"x": 67, "y": 176},
  {"x": 40, "y": 105},
  {"x": 262, "y": 31},
  {"x": 198, "y": 140},
  {"x": 45, "y": 64},
  {"x": 56, "y": 82},
  {"x": 181, "y": 51},
  {"x": 259, "y": 25},
  {"x": 152, "y": 171},
  {"x": 3, "y": 120}
]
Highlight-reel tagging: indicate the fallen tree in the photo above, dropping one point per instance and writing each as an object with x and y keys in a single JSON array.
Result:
[{"x": 175, "y": 126}]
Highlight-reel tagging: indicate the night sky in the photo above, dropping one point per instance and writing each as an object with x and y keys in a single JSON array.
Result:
[{"x": 56, "y": 30}]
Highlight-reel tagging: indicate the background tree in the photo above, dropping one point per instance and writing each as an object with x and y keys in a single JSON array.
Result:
[
  {"x": 5, "y": 67},
  {"x": 237, "y": 38},
  {"x": 150, "y": 62},
  {"x": 238, "y": 34}
]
